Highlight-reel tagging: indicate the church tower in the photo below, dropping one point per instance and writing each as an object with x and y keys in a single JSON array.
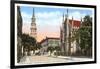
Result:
[{"x": 33, "y": 26}]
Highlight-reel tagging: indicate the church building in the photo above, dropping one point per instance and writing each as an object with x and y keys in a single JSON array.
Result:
[{"x": 67, "y": 31}]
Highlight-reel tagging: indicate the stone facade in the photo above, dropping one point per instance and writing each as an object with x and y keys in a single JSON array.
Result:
[{"x": 67, "y": 30}]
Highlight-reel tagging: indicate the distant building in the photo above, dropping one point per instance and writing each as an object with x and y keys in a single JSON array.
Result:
[
  {"x": 49, "y": 42},
  {"x": 67, "y": 31},
  {"x": 33, "y": 26}
]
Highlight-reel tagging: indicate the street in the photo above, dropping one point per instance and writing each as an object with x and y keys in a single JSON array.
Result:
[{"x": 50, "y": 59}]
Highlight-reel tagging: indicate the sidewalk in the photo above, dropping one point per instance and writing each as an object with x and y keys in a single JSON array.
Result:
[{"x": 75, "y": 59}]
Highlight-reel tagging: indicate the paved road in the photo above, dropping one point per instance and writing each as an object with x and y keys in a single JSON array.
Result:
[{"x": 52, "y": 59}]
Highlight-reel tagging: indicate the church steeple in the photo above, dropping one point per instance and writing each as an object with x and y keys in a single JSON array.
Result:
[
  {"x": 33, "y": 25},
  {"x": 33, "y": 16},
  {"x": 33, "y": 13}
]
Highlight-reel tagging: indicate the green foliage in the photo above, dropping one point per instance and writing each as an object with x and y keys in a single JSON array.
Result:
[
  {"x": 85, "y": 33},
  {"x": 50, "y": 49},
  {"x": 38, "y": 46},
  {"x": 28, "y": 42},
  {"x": 57, "y": 48},
  {"x": 87, "y": 21},
  {"x": 19, "y": 33},
  {"x": 19, "y": 22},
  {"x": 86, "y": 37}
]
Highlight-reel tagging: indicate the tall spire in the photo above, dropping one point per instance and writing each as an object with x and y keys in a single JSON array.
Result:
[
  {"x": 33, "y": 16},
  {"x": 66, "y": 14},
  {"x": 33, "y": 26},
  {"x": 63, "y": 18},
  {"x": 33, "y": 13}
]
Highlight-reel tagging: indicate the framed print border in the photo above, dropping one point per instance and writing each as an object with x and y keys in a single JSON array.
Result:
[{"x": 12, "y": 33}]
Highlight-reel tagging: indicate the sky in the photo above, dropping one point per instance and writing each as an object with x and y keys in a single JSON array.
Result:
[{"x": 49, "y": 19}]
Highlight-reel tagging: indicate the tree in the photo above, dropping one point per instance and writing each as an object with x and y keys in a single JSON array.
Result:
[
  {"x": 57, "y": 49},
  {"x": 19, "y": 33},
  {"x": 87, "y": 21},
  {"x": 28, "y": 42},
  {"x": 86, "y": 36},
  {"x": 83, "y": 36},
  {"x": 38, "y": 46}
]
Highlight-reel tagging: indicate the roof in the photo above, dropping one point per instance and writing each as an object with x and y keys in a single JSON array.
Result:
[
  {"x": 76, "y": 23},
  {"x": 47, "y": 38}
]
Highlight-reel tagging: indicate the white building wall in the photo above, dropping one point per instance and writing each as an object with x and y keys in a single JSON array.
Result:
[{"x": 73, "y": 47}]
